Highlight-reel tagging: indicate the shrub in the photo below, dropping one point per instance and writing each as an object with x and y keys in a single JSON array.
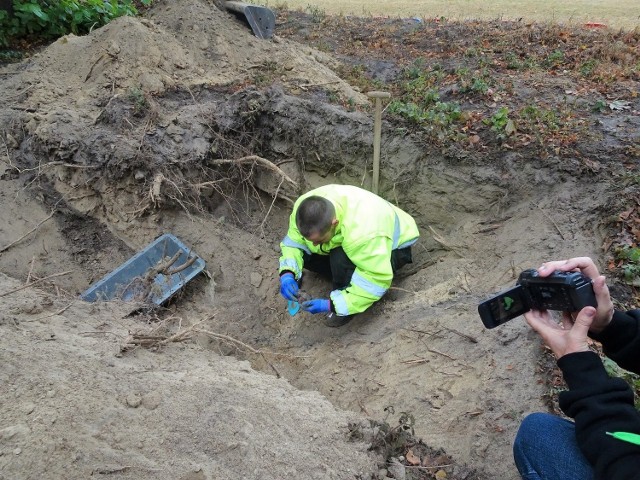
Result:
[
  {"x": 630, "y": 258},
  {"x": 49, "y": 19}
]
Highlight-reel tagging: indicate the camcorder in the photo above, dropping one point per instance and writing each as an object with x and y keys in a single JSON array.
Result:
[{"x": 566, "y": 291}]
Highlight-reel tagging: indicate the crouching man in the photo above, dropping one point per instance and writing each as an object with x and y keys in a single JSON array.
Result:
[{"x": 352, "y": 236}]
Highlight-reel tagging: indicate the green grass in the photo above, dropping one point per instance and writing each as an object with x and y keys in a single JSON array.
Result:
[{"x": 614, "y": 13}]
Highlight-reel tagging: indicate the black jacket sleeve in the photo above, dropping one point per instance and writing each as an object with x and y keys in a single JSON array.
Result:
[
  {"x": 621, "y": 340},
  {"x": 600, "y": 404}
]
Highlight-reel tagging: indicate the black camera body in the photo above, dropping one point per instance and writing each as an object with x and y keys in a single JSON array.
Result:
[{"x": 567, "y": 291}]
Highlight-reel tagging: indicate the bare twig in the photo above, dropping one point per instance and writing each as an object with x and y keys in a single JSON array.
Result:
[
  {"x": 144, "y": 133},
  {"x": 490, "y": 228},
  {"x": 33, "y": 262},
  {"x": 158, "y": 340},
  {"x": 93, "y": 66},
  {"x": 6, "y": 149},
  {"x": 275, "y": 195},
  {"x": 402, "y": 290},
  {"x": 15, "y": 242},
  {"x": 109, "y": 470},
  {"x": 420, "y": 331},
  {"x": 468, "y": 337},
  {"x": 271, "y": 365},
  {"x": 41, "y": 166},
  {"x": 440, "y": 353},
  {"x": 232, "y": 340},
  {"x": 416, "y": 361},
  {"x": 57, "y": 164},
  {"x": 305, "y": 85},
  {"x": 101, "y": 333},
  {"x": 20, "y": 93},
  {"x": 4, "y": 294},
  {"x": 441, "y": 372},
  {"x": 418, "y": 467},
  {"x": 363, "y": 409},
  {"x": 442, "y": 242},
  {"x": 552, "y": 221},
  {"x": 59, "y": 312}
]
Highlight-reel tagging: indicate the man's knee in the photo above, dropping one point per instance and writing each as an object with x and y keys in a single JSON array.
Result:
[
  {"x": 342, "y": 268},
  {"x": 399, "y": 258}
]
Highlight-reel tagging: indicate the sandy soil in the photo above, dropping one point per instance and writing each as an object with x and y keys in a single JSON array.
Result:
[{"x": 117, "y": 137}]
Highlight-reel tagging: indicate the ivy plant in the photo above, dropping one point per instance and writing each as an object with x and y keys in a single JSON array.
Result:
[{"x": 47, "y": 19}]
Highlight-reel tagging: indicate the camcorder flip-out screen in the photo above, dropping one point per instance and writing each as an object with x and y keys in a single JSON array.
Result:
[
  {"x": 567, "y": 291},
  {"x": 503, "y": 307}
]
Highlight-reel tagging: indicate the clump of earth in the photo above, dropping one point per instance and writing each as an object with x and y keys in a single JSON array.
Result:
[{"x": 183, "y": 122}]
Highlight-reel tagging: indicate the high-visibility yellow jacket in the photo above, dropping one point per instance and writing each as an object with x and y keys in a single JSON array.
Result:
[{"x": 369, "y": 229}]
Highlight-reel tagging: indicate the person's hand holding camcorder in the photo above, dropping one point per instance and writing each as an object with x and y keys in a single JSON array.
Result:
[
  {"x": 604, "y": 311},
  {"x": 570, "y": 336}
]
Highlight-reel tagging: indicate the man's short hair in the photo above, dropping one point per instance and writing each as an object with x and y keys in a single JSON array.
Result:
[{"x": 314, "y": 215}]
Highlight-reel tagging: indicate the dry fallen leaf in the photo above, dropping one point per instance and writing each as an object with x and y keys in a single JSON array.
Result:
[{"x": 412, "y": 459}]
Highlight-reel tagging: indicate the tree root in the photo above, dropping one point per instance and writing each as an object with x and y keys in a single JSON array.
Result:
[{"x": 155, "y": 341}]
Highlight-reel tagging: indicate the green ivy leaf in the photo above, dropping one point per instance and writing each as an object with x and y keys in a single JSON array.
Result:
[{"x": 35, "y": 9}]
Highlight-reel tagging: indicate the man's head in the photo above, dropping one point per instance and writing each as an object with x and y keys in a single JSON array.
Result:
[{"x": 316, "y": 219}]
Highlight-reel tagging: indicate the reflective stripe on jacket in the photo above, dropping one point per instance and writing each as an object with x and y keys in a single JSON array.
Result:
[{"x": 369, "y": 229}]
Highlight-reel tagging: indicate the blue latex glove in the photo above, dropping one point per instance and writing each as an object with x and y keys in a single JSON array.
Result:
[
  {"x": 289, "y": 287},
  {"x": 317, "y": 305}
]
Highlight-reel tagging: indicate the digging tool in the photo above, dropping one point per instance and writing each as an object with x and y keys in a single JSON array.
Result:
[
  {"x": 261, "y": 20},
  {"x": 377, "y": 132},
  {"x": 293, "y": 306}
]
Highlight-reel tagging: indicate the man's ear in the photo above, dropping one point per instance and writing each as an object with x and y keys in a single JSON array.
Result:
[{"x": 335, "y": 222}]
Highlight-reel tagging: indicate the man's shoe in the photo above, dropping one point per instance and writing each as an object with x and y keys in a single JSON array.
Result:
[{"x": 333, "y": 320}]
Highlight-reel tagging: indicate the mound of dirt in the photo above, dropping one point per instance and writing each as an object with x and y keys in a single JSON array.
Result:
[
  {"x": 182, "y": 122},
  {"x": 74, "y": 406},
  {"x": 180, "y": 43}
]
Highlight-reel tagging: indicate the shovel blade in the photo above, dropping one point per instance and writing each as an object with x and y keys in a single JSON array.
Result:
[{"x": 261, "y": 19}]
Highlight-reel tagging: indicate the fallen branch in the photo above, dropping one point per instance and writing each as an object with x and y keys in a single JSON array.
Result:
[
  {"x": 15, "y": 242},
  {"x": 4, "y": 294}
]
